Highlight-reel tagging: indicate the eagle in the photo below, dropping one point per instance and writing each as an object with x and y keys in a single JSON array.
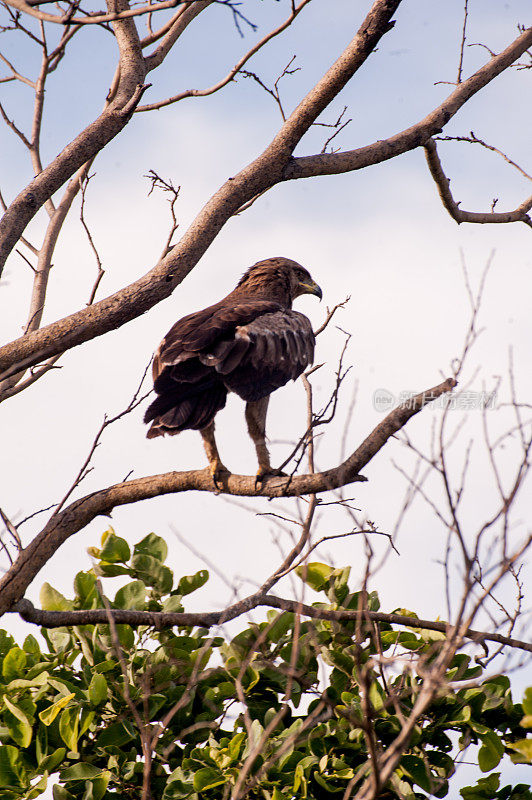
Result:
[{"x": 250, "y": 343}]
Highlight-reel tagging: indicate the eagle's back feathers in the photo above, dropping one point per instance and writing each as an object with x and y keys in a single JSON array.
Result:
[{"x": 251, "y": 343}]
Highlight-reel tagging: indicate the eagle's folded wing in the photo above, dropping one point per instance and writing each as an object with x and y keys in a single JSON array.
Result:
[
  {"x": 264, "y": 354},
  {"x": 197, "y": 332},
  {"x": 251, "y": 348}
]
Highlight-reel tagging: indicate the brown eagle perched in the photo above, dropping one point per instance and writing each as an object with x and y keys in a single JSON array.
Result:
[{"x": 250, "y": 343}]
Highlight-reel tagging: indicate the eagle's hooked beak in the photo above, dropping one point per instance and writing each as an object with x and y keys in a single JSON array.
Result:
[{"x": 311, "y": 288}]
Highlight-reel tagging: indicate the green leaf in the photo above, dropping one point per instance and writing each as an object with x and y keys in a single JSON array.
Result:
[
  {"x": 51, "y": 762},
  {"x": 485, "y": 788},
  {"x": 132, "y": 595},
  {"x": 320, "y": 780},
  {"x": 86, "y": 588},
  {"x": 415, "y": 768},
  {"x": 279, "y": 625},
  {"x": 376, "y": 696},
  {"x": 315, "y": 574},
  {"x": 172, "y": 603},
  {"x": 69, "y": 727},
  {"x": 86, "y": 720},
  {"x": 235, "y": 745},
  {"x": 31, "y": 645},
  {"x": 60, "y": 639},
  {"x": 491, "y": 751},
  {"x": 152, "y": 545},
  {"x": 299, "y": 778},
  {"x": 116, "y": 734},
  {"x": 37, "y": 788},
  {"x": 165, "y": 580},
  {"x": 114, "y": 549},
  {"x": 49, "y": 714},
  {"x": 152, "y": 572},
  {"x": 60, "y": 793},
  {"x": 527, "y": 701},
  {"x": 52, "y": 600},
  {"x": 524, "y": 747},
  {"x": 208, "y": 778},
  {"x": 178, "y": 786},
  {"x": 6, "y": 642},
  {"x": 254, "y": 738},
  {"x": 107, "y": 570},
  {"x": 96, "y": 788},
  {"x": 97, "y": 689},
  {"x": 20, "y": 727},
  {"x": 14, "y": 663},
  {"x": 126, "y": 636},
  {"x": 189, "y": 583},
  {"x": 12, "y": 772},
  {"x": 81, "y": 772}
]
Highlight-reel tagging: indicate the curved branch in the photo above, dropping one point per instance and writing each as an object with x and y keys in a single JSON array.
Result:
[
  {"x": 520, "y": 214},
  {"x": 208, "y": 619},
  {"x": 76, "y": 516}
]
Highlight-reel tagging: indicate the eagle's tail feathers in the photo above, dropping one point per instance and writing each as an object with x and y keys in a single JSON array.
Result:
[{"x": 172, "y": 414}]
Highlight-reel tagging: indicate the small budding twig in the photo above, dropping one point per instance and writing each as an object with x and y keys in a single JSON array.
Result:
[
  {"x": 83, "y": 184},
  {"x": 273, "y": 92},
  {"x": 166, "y": 186}
]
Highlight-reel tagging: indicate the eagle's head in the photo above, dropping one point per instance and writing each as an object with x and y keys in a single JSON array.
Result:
[{"x": 279, "y": 279}]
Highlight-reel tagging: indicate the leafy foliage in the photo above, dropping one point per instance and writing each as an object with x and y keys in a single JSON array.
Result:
[{"x": 257, "y": 703}]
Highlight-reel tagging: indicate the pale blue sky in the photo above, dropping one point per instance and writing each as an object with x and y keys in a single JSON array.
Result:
[{"x": 380, "y": 235}]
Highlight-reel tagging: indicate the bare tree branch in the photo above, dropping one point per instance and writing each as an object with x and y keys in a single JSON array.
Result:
[
  {"x": 207, "y": 619},
  {"x": 416, "y": 135},
  {"x": 275, "y": 164},
  {"x": 233, "y": 72},
  {"x": 70, "y": 520},
  {"x": 473, "y": 139},
  {"x": 114, "y": 15},
  {"x": 89, "y": 142},
  {"x": 520, "y": 214}
]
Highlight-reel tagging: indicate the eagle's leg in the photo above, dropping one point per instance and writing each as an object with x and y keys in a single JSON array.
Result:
[
  {"x": 256, "y": 420},
  {"x": 217, "y": 468}
]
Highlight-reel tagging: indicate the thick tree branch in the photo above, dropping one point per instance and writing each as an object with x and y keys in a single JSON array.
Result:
[
  {"x": 189, "y": 13},
  {"x": 76, "y": 516},
  {"x": 89, "y": 142},
  {"x": 208, "y": 619}
]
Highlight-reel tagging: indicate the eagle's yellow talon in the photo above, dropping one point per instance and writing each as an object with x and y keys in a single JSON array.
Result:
[{"x": 219, "y": 473}]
